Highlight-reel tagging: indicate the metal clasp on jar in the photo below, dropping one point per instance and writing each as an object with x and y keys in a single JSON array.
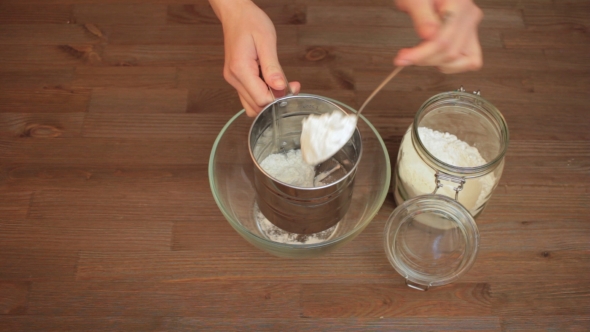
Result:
[
  {"x": 476, "y": 92},
  {"x": 446, "y": 177},
  {"x": 417, "y": 286}
]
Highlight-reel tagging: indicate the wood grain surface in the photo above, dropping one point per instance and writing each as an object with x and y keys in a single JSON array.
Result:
[{"x": 108, "y": 113}]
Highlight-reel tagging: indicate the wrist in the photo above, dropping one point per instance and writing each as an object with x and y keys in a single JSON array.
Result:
[{"x": 226, "y": 9}]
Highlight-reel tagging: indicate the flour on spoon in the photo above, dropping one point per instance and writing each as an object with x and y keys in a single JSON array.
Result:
[{"x": 324, "y": 135}]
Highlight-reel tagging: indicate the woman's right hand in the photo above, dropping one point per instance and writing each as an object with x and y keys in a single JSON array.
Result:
[
  {"x": 448, "y": 29},
  {"x": 250, "y": 41}
]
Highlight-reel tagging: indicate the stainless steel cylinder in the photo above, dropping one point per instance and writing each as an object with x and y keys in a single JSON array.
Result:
[{"x": 296, "y": 209}]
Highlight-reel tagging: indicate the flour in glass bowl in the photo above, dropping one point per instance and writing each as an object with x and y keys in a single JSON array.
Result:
[
  {"x": 276, "y": 234},
  {"x": 418, "y": 178},
  {"x": 290, "y": 168}
]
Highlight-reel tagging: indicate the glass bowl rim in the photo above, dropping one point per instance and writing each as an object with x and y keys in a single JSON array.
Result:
[{"x": 236, "y": 224}]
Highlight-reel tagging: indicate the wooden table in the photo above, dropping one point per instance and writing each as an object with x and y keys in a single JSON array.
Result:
[{"x": 108, "y": 112}]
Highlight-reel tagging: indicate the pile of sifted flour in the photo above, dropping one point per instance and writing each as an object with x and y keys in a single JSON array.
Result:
[
  {"x": 289, "y": 168},
  {"x": 276, "y": 234},
  {"x": 418, "y": 178}
]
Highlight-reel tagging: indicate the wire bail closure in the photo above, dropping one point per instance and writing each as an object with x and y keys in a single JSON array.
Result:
[{"x": 446, "y": 177}]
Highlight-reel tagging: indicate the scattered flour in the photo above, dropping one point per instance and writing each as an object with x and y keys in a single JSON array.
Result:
[
  {"x": 324, "y": 135},
  {"x": 276, "y": 234},
  {"x": 418, "y": 178}
]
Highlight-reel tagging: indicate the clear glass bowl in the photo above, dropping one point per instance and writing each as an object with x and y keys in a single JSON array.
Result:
[{"x": 231, "y": 176}]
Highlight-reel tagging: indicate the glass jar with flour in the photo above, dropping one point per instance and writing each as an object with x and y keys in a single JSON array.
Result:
[
  {"x": 449, "y": 162},
  {"x": 455, "y": 147}
]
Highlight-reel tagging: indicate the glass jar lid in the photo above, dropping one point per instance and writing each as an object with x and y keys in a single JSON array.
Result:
[{"x": 431, "y": 240}]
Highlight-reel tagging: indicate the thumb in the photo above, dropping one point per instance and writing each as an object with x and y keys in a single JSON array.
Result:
[
  {"x": 423, "y": 13},
  {"x": 269, "y": 63}
]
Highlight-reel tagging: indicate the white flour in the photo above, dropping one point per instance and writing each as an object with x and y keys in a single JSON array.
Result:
[
  {"x": 291, "y": 169},
  {"x": 324, "y": 135},
  {"x": 276, "y": 234},
  {"x": 418, "y": 178}
]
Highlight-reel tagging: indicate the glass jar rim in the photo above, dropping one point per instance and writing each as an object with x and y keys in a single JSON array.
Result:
[{"x": 486, "y": 107}]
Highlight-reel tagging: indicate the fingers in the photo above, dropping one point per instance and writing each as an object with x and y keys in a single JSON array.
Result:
[
  {"x": 269, "y": 62},
  {"x": 295, "y": 87},
  {"x": 446, "y": 46},
  {"x": 242, "y": 72},
  {"x": 250, "y": 47},
  {"x": 252, "y": 109},
  {"x": 455, "y": 46},
  {"x": 252, "y": 88},
  {"x": 472, "y": 61},
  {"x": 426, "y": 20},
  {"x": 254, "y": 104},
  {"x": 253, "y": 92}
]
